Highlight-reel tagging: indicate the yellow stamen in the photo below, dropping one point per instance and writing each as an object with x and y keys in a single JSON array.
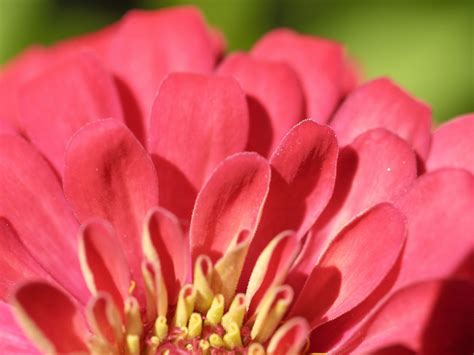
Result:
[
  {"x": 195, "y": 325},
  {"x": 202, "y": 281},
  {"x": 148, "y": 247},
  {"x": 270, "y": 312},
  {"x": 133, "y": 344},
  {"x": 161, "y": 328},
  {"x": 236, "y": 312},
  {"x": 216, "y": 341},
  {"x": 204, "y": 346},
  {"x": 184, "y": 333},
  {"x": 214, "y": 314},
  {"x": 229, "y": 267},
  {"x": 153, "y": 345},
  {"x": 186, "y": 299},
  {"x": 150, "y": 288},
  {"x": 261, "y": 266},
  {"x": 132, "y": 286},
  {"x": 133, "y": 320},
  {"x": 232, "y": 337},
  {"x": 256, "y": 349},
  {"x": 162, "y": 294},
  {"x": 85, "y": 268},
  {"x": 189, "y": 347}
]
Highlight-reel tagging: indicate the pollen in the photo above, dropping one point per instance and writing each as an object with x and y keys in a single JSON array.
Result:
[{"x": 206, "y": 315}]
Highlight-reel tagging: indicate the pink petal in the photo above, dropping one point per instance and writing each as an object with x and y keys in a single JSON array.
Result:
[
  {"x": 12, "y": 339},
  {"x": 230, "y": 202},
  {"x": 16, "y": 263},
  {"x": 381, "y": 103},
  {"x": 197, "y": 121},
  {"x": 104, "y": 319},
  {"x": 319, "y": 63},
  {"x": 439, "y": 210},
  {"x": 24, "y": 67},
  {"x": 103, "y": 264},
  {"x": 109, "y": 175},
  {"x": 274, "y": 95},
  {"x": 289, "y": 338},
  {"x": 453, "y": 145},
  {"x": 49, "y": 317},
  {"x": 169, "y": 40},
  {"x": 378, "y": 166},
  {"x": 303, "y": 175},
  {"x": 172, "y": 248},
  {"x": 435, "y": 317},
  {"x": 353, "y": 266},
  {"x": 34, "y": 206},
  {"x": 64, "y": 98},
  {"x": 271, "y": 272},
  {"x": 432, "y": 250}
]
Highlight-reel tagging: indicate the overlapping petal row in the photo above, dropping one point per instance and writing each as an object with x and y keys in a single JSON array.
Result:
[{"x": 157, "y": 195}]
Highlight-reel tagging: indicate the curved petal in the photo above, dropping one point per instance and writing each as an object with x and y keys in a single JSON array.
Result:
[
  {"x": 49, "y": 318},
  {"x": 319, "y": 63},
  {"x": 274, "y": 95},
  {"x": 453, "y": 144},
  {"x": 103, "y": 264},
  {"x": 381, "y": 103},
  {"x": 439, "y": 210},
  {"x": 271, "y": 268},
  {"x": 16, "y": 263},
  {"x": 175, "y": 39},
  {"x": 418, "y": 316},
  {"x": 378, "y": 166},
  {"x": 164, "y": 242},
  {"x": 230, "y": 202},
  {"x": 290, "y": 338},
  {"x": 109, "y": 175},
  {"x": 197, "y": 121},
  {"x": 104, "y": 320},
  {"x": 303, "y": 175},
  {"x": 64, "y": 98},
  {"x": 12, "y": 339},
  {"x": 353, "y": 266},
  {"x": 432, "y": 250},
  {"x": 34, "y": 205}
]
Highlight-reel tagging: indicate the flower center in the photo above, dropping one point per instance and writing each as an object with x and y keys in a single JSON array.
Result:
[{"x": 202, "y": 321}]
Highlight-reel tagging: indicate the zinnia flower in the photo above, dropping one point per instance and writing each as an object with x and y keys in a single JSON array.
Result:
[{"x": 159, "y": 197}]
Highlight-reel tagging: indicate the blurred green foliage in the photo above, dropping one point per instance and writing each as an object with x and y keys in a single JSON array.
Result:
[{"x": 426, "y": 46}]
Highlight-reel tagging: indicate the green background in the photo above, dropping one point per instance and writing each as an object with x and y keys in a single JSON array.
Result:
[{"x": 426, "y": 46}]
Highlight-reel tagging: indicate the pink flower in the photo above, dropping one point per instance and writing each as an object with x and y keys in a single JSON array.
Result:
[{"x": 169, "y": 198}]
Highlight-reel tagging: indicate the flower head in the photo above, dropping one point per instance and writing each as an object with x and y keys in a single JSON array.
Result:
[{"x": 170, "y": 199}]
